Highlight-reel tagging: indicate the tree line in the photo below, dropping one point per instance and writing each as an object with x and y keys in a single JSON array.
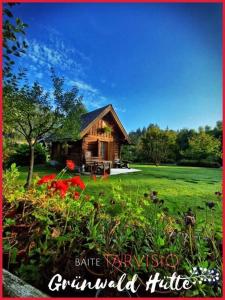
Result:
[{"x": 201, "y": 147}]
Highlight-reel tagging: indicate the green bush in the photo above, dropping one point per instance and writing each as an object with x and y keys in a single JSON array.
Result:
[
  {"x": 22, "y": 155},
  {"x": 199, "y": 163}
]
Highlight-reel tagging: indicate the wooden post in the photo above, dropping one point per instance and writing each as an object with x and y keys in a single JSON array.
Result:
[{"x": 99, "y": 149}]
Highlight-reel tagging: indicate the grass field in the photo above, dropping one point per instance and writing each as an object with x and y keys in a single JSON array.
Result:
[
  {"x": 115, "y": 215},
  {"x": 179, "y": 187}
]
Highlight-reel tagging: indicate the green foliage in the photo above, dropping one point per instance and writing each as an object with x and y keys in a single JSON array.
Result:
[
  {"x": 217, "y": 132},
  {"x": 11, "y": 175},
  {"x": 9, "y": 142},
  {"x": 107, "y": 129},
  {"x": 155, "y": 145},
  {"x": 70, "y": 106},
  {"x": 12, "y": 188},
  {"x": 21, "y": 155},
  {"x": 133, "y": 152},
  {"x": 34, "y": 116},
  {"x": 13, "y": 30},
  {"x": 182, "y": 141},
  {"x": 203, "y": 146},
  {"x": 28, "y": 111},
  {"x": 128, "y": 152},
  {"x": 120, "y": 221}
]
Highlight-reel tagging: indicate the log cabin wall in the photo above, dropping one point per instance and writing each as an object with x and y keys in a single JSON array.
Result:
[
  {"x": 96, "y": 144},
  {"x": 91, "y": 144}
]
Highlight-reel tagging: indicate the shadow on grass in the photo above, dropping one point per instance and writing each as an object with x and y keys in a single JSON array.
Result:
[{"x": 192, "y": 181}]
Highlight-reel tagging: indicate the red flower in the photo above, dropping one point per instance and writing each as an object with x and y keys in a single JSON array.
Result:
[
  {"x": 70, "y": 165},
  {"x": 60, "y": 185},
  {"x": 76, "y": 195},
  {"x": 46, "y": 179},
  {"x": 76, "y": 181}
]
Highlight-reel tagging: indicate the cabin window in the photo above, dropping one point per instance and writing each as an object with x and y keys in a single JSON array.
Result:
[{"x": 93, "y": 149}]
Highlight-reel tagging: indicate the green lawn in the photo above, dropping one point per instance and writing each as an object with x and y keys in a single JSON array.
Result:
[{"x": 179, "y": 187}]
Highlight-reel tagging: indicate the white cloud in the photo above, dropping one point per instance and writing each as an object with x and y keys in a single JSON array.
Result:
[
  {"x": 83, "y": 86},
  {"x": 44, "y": 57},
  {"x": 92, "y": 96},
  {"x": 67, "y": 60},
  {"x": 93, "y": 103},
  {"x": 120, "y": 109},
  {"x": 48, "y": 56}
]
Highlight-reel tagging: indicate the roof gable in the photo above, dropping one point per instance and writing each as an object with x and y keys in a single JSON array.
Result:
[{"x": 88, "y": 119}]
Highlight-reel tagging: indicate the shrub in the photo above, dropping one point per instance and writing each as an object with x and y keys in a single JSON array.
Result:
[
  {"x": 22, "y": 156},
  {"x": 11, "y": 187},
  {"x": 199, "y": 163}
]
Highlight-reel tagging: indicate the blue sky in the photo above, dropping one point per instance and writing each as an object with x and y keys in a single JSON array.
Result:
[{"x": 156, "y": 63}]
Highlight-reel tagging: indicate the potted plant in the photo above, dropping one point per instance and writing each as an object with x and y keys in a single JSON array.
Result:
[{"x": 107, "y": 129}]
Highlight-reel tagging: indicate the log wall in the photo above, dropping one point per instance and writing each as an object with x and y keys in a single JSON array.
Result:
[{"x": 90, "y": 145}]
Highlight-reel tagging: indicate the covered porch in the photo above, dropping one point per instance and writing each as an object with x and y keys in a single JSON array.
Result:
[
  {"x": 100, "y": 155},
  {"x": 100, "y": 150}
]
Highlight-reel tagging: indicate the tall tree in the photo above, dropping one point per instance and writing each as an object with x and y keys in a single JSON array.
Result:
[
  {"x": 218, "y": 130},
  {"x": 34, "y": 115},
  {"x": 70, "y": 105},
  {"x": 182, "y": 141},
  {"x": 156, "y": 144},
  {"x": 203, "y": 146},
  {"x": 28, "y": 111}
]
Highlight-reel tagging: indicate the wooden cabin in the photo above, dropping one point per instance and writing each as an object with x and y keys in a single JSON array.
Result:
[{"x": 101, "y": 137}]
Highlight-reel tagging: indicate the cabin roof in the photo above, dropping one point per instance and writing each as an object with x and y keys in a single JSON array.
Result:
[{"x": 88, "y": 119}]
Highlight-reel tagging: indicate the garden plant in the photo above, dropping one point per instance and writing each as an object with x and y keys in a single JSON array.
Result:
[{"x": 59, "y": 219}]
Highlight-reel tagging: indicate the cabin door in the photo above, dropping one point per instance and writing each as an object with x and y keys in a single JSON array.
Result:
[{"x": 104, "y": 150}]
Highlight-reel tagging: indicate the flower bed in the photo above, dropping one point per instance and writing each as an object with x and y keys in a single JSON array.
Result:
[{"x": 50, "y": 225}]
